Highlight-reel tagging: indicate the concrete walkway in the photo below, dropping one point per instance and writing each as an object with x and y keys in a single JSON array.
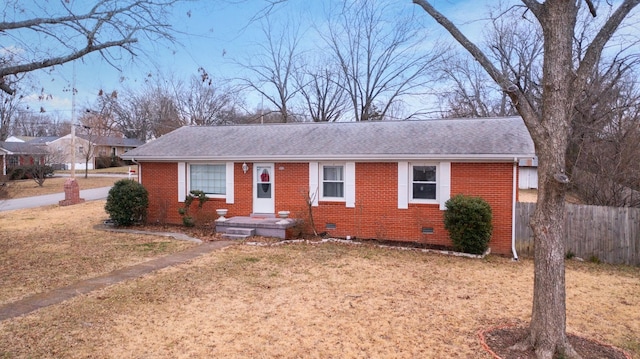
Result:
[{"x": 41, "y": 300}]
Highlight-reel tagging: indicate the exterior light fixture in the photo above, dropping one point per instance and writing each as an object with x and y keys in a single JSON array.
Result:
[{"x": 245, "y": 167}]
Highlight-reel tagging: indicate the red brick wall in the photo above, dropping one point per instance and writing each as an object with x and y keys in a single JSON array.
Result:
[
  {"x": 485, "y": 180},
  {"x": 161, "y": 181},
  {"x": 376, "y": 213}
]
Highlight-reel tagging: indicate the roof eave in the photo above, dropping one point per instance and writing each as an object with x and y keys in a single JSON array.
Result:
[{"x": 356, "y": 158}]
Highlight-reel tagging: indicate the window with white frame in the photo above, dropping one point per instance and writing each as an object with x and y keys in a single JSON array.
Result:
[
  {"x": 208, "y": 178},
  {"x": 423, "y": 185},
  {"x": 332, "y": 177}
]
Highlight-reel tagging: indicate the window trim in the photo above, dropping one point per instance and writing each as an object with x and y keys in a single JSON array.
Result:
[
  {"x": 209, "y": 195},
  {"x": 411, "y": 182},
  {"x": 321, "y": 182}
]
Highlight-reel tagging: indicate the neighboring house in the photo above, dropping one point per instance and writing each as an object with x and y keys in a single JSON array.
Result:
[
  {"x": 90, "y": 150},
  {"x": 528, "y": 178},
  {"x": 15, "y": 154},
  {"x": 383, "y": 180}
]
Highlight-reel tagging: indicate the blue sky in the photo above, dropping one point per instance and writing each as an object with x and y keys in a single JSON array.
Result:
[{"x": 211, "y": 35}]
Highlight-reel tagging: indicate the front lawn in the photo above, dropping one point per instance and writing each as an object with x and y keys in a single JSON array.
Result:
[
  {"x": 318, "y": 301},
  {"x": 50, "y": 247}
]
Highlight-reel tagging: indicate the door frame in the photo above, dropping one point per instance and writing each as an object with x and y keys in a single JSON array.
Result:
[{"x": 263, "y": 205}]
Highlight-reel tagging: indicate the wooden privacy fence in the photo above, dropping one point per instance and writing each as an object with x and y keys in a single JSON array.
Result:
[{"x": 611, "y": 234}]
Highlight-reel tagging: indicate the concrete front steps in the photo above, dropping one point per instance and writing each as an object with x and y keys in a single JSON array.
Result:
[
  {"x": 237, "y": 233},
  {"x": 255, "y": 225}
]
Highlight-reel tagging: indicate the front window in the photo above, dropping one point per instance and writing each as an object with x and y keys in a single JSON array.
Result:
[
  {"x": 423, "y": 182},
  {"x": 333, "y": 182},
  {"x": 210, "y": 179}
]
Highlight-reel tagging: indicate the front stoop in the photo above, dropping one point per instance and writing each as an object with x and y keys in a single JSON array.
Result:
[
  {"x": 266, "y": 226},
  {"x": 237, "y": 233}
]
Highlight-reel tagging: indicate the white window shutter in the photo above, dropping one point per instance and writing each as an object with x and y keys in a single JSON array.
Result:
[
  {"x": 444, "y": 184},
  {"x": 182, "y": 181},
  {"x": 230, "y": 183},
  {"x": 314, "y": 191},
  {"x": 350, "y": 184},
  {"x": 403, "y": 185}
]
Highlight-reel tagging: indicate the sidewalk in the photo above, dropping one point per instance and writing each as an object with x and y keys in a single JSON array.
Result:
[{"x": 41, "y": 300}]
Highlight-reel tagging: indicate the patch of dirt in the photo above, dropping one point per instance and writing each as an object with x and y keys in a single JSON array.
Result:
[{"x": 500, "y": 341}]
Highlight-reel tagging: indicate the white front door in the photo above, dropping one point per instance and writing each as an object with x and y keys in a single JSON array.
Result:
[{"x": 263, "y": 194}]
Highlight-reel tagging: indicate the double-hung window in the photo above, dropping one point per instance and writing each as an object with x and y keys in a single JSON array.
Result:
[
  {"x": 332, "y": 182},
  {"x": 208, "y": 178},
  {"x": 423, "y": 182}
]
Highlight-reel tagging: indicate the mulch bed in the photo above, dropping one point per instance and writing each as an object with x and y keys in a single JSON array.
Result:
[{"x": 499, "y": 340}]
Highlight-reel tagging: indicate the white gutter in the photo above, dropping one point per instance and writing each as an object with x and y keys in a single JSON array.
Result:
[{"x": 513, "y": 210}]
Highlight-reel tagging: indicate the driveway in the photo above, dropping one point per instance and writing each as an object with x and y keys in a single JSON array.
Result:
[{"x": 49, "y": 199}]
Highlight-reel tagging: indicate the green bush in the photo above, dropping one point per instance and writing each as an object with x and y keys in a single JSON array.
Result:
[
  {"x": 468, "y": 220},
  {"x": 127, "y": 202}
]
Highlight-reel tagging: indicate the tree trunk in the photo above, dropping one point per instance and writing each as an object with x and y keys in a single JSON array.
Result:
[
  {"x": 548, "y": 319},
  {"x": 549, "y": 125}
]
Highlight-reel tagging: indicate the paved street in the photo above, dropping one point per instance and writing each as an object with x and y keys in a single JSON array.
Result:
[{"x": 49, "y": 199}]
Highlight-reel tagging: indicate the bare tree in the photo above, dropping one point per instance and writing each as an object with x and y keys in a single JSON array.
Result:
[
  {"x": 472, "y": 93},
  {"x": 204, "y": 102},
  {"x": 9, "y": 105},
  {"x": 564, "y": 77},
  {"x": 128, "y": 114},
  {"x": 271, "y": 71},
  {"x": 66, "y": 31},
  {"x": 88, "y": 130},
  {"x": 148, "y": 112},
  {"x": 322, "y": 89},
  {"x": 377, "y": 51},
  {"x": 514, "y": 45},
  {"x": 603, "y": 145},
  {"x": 30, "y": 123}
]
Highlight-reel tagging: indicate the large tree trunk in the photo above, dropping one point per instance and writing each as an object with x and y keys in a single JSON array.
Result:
[
  {"x": 549, "y": 125},
  {"x": 548, "y": 320}
]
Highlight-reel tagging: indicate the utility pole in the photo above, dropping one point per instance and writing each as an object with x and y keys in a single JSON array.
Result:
[{"x": 71, "y": 187}]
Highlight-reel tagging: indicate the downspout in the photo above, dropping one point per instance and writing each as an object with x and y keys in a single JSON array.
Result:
[
  {"x": 139, "y": 174},
  {"x": 513, "y": 209}
]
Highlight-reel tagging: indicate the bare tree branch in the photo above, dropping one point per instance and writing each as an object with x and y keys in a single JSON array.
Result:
[
  {"x": 105, "y": 25},
  {"x": 530, "y": 116}
]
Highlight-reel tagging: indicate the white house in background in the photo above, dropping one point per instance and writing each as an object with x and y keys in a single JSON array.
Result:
[
  {"x": 90, "y": 149},
  {"x": 528, "y": 176}
]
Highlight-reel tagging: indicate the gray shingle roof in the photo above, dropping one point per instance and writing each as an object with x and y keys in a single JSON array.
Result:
[
  {"x": 112, "y": 141},
  {"x": 22, "y": 148},
  {"x": 486, "y": 138},
  {"x": 42, "y": 140}
]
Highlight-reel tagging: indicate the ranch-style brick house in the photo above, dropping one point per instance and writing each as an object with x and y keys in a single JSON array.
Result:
[{"x": 371, "y": 180}]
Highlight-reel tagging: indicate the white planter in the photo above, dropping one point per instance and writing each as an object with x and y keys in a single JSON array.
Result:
[{"x": 221, "y": 212}]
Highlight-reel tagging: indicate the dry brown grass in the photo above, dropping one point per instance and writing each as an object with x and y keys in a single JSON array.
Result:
[
  {"x": 50, "y": 247},
  {"x": 28, "y": 188},
  {"x": 321, "y": 301}
]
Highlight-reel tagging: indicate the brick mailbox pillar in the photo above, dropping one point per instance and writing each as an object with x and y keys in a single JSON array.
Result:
[{"x": 71, "y": 193}]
